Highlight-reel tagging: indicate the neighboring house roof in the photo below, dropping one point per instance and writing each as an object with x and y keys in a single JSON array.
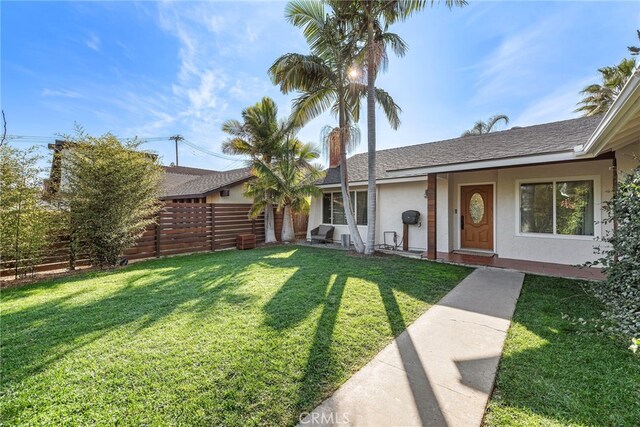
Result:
[
  {"x": 185, "y": 170},
  {"x": 191, "y": 182},
  {"x": 544, "y": 139}
]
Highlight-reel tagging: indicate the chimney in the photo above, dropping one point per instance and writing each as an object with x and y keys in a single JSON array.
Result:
[{"x": 334, "y": 149}]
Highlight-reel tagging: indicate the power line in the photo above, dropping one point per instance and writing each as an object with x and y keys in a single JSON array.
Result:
[
  {"x": 234, "y": 165},
  {"x": 35, "y": 139},
  {"x": 205, "y": 151}
]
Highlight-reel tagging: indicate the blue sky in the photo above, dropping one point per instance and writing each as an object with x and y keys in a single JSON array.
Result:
[{"x": 154, "y": 69}]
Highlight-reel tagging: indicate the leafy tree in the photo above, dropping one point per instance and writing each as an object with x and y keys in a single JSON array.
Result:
[
  {"x": 259, "y": 136},
  {"x": 26, "y": 222},
  {"x": 599, "y": 97},
  {"x": 111, "y": 189},
  {"x": 621, "y": 257},
  {"x": 291, "y": 180},
  {"x": 482, "y": 127}
]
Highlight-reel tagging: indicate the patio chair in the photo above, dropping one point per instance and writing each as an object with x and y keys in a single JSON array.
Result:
[{"x": 322, "y": 234}]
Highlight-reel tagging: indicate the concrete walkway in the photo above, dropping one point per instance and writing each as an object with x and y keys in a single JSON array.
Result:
[{"x": 438, "y": 372}]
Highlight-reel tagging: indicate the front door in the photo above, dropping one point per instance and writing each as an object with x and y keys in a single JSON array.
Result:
[{"x": 476, "y": 217}]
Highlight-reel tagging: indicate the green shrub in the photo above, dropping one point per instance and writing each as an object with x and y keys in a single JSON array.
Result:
[
  {"x": 26, "y": 222},
  {"x": 111, "y": 190},
  {"x": 621, "y": 257}
]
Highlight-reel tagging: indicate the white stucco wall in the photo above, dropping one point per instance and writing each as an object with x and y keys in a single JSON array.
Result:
[
  {"x": 508, "y": 242},
  {"x": 392, "y": 200},
  {"x": 443, "y": 221}
]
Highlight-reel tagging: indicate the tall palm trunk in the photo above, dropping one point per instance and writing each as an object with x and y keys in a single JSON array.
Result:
[
  {"x": 371, "y": 142},
  {"x": 269, "y": 216},
  {"x": 269, "y": 224},
  {"x": 344, "y": 185},
  {"x": 288, "y": 232}
]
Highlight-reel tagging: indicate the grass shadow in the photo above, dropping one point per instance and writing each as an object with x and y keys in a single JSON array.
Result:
[
  {"x": 28, "y": 347},
  {"x": 325, "y": 288},
  {"x": 554, "y": 370}
]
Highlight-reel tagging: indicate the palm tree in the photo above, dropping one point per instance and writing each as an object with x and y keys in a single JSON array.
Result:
[
  {"x": 325, "y": 79},
  {"x": 482, "y": 127},
  {"x": 635, "y": 50},
  {"x": 290, "y": 180},
  {"x": 372, "y": 18},
  {"x": 599, "y": 97},
  {"x": 259, "y": 136}
]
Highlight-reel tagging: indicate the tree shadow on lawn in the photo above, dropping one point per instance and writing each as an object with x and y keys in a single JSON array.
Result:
[
  {"x": 305, "y": 291},
  {"x": 43, "y": 333},
  {"x": 564, "y": 372},
  {"x": 38, "y": 335}
]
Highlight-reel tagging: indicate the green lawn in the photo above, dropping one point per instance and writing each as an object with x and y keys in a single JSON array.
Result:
[
  {"x": 228, "y": 338},
  {"x": 554, "y": 373}
]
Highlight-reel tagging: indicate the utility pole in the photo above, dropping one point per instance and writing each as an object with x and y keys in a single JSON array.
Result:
[
  {"x": 177, "y": 138},
  {"x": 4, "y": 132}
]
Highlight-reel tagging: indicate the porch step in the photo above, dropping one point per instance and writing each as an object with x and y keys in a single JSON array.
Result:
[{"x": 474, "y": 253}]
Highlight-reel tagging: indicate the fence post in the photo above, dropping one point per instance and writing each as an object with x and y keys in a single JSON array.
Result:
[
  {"x": 213, "y": 228},
  {"x": 158, "y": 227}
]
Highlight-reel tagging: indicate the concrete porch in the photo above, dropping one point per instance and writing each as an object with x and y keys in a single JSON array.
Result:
[{"x": 533, "y": 267}]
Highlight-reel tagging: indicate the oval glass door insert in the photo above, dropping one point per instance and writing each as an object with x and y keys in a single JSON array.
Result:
[{"x": 476, "y": 208}]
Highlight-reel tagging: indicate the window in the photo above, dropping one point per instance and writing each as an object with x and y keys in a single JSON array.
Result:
[
  {"x": 333, "y": 208},
  {"x": 558, "y": 207}
]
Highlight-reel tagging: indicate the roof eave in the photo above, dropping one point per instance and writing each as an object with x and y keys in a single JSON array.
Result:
[
  {"x": 626, "y": 104},
  {"x": 417, "y": 174}
]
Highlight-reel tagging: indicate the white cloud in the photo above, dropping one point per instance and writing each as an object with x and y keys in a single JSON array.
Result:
[
  {"x": 93, "y": 42},
  {"x": 219, "y": 71},
  {"x": 557, "y": 105},
  {"x": 62, "y": 93},
  {"x": 207, "y": 79},
  {"x": 514, "y": 68}
]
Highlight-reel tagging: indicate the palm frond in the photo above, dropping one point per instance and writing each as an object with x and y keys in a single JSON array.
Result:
[
  {"x": 311, "y": 104},
  {"x": 390, "y": 108},
  {"x": 493, "y": 120},
  {"x": 296, "y": 72}
]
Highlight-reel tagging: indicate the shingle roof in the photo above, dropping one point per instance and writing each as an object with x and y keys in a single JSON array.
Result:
[
  {"x": 182, "y": 182},
  {"x": 516, "y": 142},
  {"x": 185, "y": 170}
]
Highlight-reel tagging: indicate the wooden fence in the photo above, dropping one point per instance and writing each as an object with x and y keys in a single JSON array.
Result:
[
  {"x": 180, "y": 228},
  {"x": 196, "y": 227}
]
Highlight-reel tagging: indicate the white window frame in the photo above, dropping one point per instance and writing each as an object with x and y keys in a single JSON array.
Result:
[
  {"x": 597, "y": 209},
  {"x": 355, "y": 207}
]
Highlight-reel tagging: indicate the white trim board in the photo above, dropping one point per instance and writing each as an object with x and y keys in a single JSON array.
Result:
[{"x": 488, "y": 164}]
